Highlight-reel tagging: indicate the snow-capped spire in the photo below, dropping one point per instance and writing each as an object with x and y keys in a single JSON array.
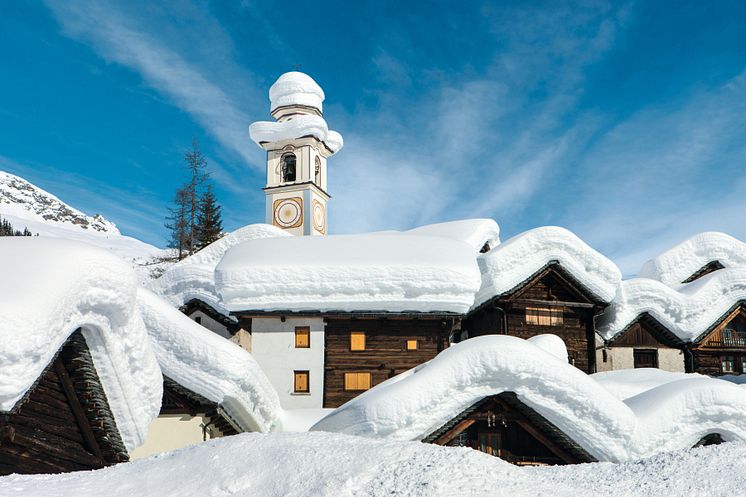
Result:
[{"x": 296, "y": 89}]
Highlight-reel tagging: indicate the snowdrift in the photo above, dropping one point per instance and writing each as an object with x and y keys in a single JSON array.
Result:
[
  {"x": 297, "y": 127},
  {"x": 326, "y": 464},
  {"x": 193, "y": 277},
  {"x": 511, "y": 263},
  {"x": 349, "y": 273},
  {"x": 52, "y": 287},
  {"x": 674, "y": 415},
  {"x": 210, "y": 365},
  {"x": 681, "y": 261},
  {"x": 687, "y": 311}
]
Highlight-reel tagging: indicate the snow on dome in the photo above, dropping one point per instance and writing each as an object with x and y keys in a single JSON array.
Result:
[
  {"x": 552, "y": 344},
  {"x": 475, "y": 232},
  {"x": 52, "y": 287},
  {"x": 349, "y": 273},
  {"x": 687, "y": 311},
  {"x": 296, "y": 88},
  {"x": 672, "y": 416},
  {"x": 210, "y": 365},
  {"x": 193, "y": 277},
  {"x": 296, "y": 127},
  {"x": 513, "y": 262},
  {"x": 681, "y": 261}
]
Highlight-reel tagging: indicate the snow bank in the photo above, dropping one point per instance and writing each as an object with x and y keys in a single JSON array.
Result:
[
  {"x": 193, "y": 277},
  {"x": 324, "y": 464},
  {"x": 52, "y": 287},
  {"x": 626, "y": 383},
  {"x": 687, "y": 311},
  {"x": 296, "y": 88},
  {"x": 671, "y": 416},
  {"x": 475, "y": 232},
  {"x": 210, "y": 365},
  {"x": 349, "y": 273},
  {"x": 678, "y": 263},
  {"x": 552, "y": 344},
  {"x": 511, "y": 263},
  {"x": 296, "y": 127}
]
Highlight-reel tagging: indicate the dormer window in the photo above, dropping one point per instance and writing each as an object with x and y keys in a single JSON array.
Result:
[{"x": 288, "y": 168}]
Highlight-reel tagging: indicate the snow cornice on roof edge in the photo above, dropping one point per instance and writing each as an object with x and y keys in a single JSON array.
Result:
[{"x": 681, "y": 261}]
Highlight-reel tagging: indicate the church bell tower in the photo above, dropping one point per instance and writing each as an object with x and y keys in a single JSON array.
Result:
[{"x": 298, "y": 144}]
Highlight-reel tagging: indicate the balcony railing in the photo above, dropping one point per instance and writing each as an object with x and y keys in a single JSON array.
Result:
[{"x": 728, "y": 339}]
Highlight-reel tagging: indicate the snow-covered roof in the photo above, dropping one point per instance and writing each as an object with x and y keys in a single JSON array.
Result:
[
  {"x": 296, "y": 127},
  {"x": 687, "y": 311},
  {"x": 681, "y": 261},
  {"x": 193, "y": 277},
  {"x": 52, "y": 287},
  {"x": 296, "y": 88},
  {"x": 369, "y": 272},
  {"x": 210, "y": 365},
  {"x": 671, "y": 416},
  {"x": 326, "y": 464},
  {"x": 626, "y": 383},
  {"x": 475, "y": 232},
  {"x": 509, "y": 264}
]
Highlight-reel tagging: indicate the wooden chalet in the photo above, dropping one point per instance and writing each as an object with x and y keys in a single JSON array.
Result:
[
  {"x": 721, "y": 349},
  {"x": 64, "y": 422},
  {"x": 550, "y": 301},
  {"x": 503, "y": 426},
  {"x": 644, "y": 343},
  {"x": 179, "y": 400}
]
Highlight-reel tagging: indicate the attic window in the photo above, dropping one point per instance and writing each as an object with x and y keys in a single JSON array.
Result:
[
  {"x": 302, "y": 337},
  {"x": 544, "y": 316},
  {"x": 357, "y": 341},
  {"x": 288, "y": 167},
  {"x": 411, "y": 344}
]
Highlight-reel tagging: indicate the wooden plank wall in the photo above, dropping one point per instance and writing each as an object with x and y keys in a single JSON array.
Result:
[{"x": 385, "y": 353}]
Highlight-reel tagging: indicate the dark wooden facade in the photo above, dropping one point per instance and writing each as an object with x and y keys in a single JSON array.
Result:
[
  {"x": 64, "y": 423},
  {"x": 554, "y": 288},
  {"x": 722, "y": 349},
  {"x": 647, "y": 337},
  {"x": 708, "y": 268},
  {"x": 178, "y": 399},
  {"x": 385, "y": 354},
  {"x": 503, "y": 426}
]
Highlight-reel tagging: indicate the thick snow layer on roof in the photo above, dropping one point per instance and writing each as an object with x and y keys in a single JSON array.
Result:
[
  {"x": 210, "y": 365},
  {"x": 349, "y": 273},
  {"x": 193, "y": 277},
  {"x": 513, "y": 262},
  {"x": 52, "y": 287},
  {"x": 552, "y": 344},
  {"x": 327, "y": 464},
  {"x": 296, "y": 88},
  {"x": 687, "y": 311},
  {"x": 475, "y": 232},
  {"x": 671, "y": 416},
  {"x": 296, "y": 127},
  {"x": 678, "y": 263},
  {"x": 626, "y": 383}
]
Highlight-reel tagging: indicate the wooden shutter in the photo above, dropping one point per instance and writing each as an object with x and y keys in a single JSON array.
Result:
[
  {"x": 357, "y": 340},
  {"x": 302, "y": 337},
  {"x": 646, "y": 358},
  {"x": 545, "y": 316},
  {"x": 357, "y": 381},
  {"x": 411, "y": 344},
  {"x": 300, "y": 383}
]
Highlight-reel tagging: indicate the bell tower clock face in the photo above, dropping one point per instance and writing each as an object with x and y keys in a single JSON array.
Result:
[
  {"x": 319, "y": 217},
  {"x": 288, "y": 212}
]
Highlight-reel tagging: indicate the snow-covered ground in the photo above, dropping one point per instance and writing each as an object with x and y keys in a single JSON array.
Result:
[
  {"x": 25, "y": 205},
  {"x": 333, "y": 465}
]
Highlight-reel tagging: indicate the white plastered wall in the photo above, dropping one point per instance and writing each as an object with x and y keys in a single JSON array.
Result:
[
  {"x": 273, "y": 347},
  {"x": 209, "y": 323},
  {"x": 170, "y": 432},
  {"x": 624, "y": 358}
]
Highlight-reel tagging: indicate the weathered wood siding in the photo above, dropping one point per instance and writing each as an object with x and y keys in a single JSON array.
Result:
[{"x": 385, "y": 353}]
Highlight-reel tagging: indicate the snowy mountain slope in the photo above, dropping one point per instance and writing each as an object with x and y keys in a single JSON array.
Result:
[
  {"x": 28, "y": 206},
  {"x": 325, "y": 464}
]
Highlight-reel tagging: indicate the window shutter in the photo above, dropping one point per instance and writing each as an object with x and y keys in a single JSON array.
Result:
[
  {"x": 302, "y": 337},
  {"x": 357, "y": 340}
]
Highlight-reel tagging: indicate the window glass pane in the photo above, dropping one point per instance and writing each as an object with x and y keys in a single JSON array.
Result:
[
  {"x": 357, "y": 340},
  {"x": 727, "y": 364}
]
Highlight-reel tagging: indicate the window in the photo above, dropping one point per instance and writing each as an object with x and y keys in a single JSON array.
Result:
[
  {"x": 302, "y": 337},
  {"x": 646, "y": 358},
  {"x": 411, "y": 344},
  {"x": 727, "y": 364},
  {"x": 300, "y": 382},
  {"x": 357, "y": 381},
  {"x": 198, "y": 320},
  {"x": 318, "y": 171},
  {"x": 288, "y": 167},
  {"x": 357, "y": 340},
  {"x": 544, "y": 316}
]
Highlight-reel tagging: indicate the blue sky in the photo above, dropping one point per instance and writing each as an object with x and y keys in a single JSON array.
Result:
[{"x": 624, "y": 122}]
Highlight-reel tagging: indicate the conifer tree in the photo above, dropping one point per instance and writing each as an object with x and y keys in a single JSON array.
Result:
[
  {"x": 209, "y": 219},
  {"x": 178, "y": 222},
  {"x": 196, "y": 164}
]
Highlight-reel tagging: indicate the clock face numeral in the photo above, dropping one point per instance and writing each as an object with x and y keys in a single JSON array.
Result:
[
  {"x": 288, "y": 212},
  {"x": 319, "y": 217}
]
